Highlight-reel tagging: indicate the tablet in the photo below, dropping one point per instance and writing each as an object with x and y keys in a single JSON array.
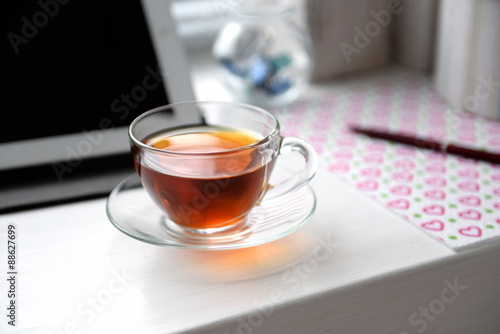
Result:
[{"x": 74, "y": 74}]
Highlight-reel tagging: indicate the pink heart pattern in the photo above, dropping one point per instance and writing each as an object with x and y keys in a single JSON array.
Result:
[
  {"x": 434, "y": 225},
  {"x": 456, "y": 200},
  {"x": 469, "y": 186},
  {"x": 402, "y": 190},
  {"x": 436, "y": 168},
  {"x": 399, "y": 204},
  {"x": 434, "y": 210},
  {"x": 469, "y": 173},
  {"x": 471, "y": 231},
  {"x": 470, "y": 214},
  {"x": 367, "y": 185},
  {"x": 370, "y": 172},
  {"x": 435, "y": 181},
  {"x": 471, "y": 200},
  {"x": 435, "y": 194},
  {"x": 402, "y": 176}
]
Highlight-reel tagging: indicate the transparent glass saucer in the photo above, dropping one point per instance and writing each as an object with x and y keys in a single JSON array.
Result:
[{"x": 131, "y": 211}]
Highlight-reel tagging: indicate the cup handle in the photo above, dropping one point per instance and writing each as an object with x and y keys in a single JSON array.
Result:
[{"x": 299, "y": 178}]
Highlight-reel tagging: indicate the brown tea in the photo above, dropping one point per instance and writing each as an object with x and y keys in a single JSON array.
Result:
[{"x": 205, "y": 189}]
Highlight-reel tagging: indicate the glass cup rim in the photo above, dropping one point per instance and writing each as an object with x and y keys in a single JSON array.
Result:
[{"x": 274, "y": 132}]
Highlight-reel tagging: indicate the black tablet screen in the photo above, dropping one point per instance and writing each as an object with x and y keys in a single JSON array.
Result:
[{"x": 70, "y": 66}]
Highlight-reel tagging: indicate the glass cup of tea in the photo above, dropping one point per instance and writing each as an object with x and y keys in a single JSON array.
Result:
[{"x": 208, "y": 164}]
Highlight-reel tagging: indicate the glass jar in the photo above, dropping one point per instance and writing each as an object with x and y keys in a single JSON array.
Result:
[{"x": 265, "y": 57}]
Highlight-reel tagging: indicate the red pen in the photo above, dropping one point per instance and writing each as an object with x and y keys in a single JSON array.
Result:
[{"x": 430, "y": 144}]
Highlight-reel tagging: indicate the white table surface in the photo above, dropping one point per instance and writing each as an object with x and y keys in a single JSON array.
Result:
[{"x": 78, "y": 274}]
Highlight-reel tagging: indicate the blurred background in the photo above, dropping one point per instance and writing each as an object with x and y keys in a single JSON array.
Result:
[{"x": 455, "y": 42}]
